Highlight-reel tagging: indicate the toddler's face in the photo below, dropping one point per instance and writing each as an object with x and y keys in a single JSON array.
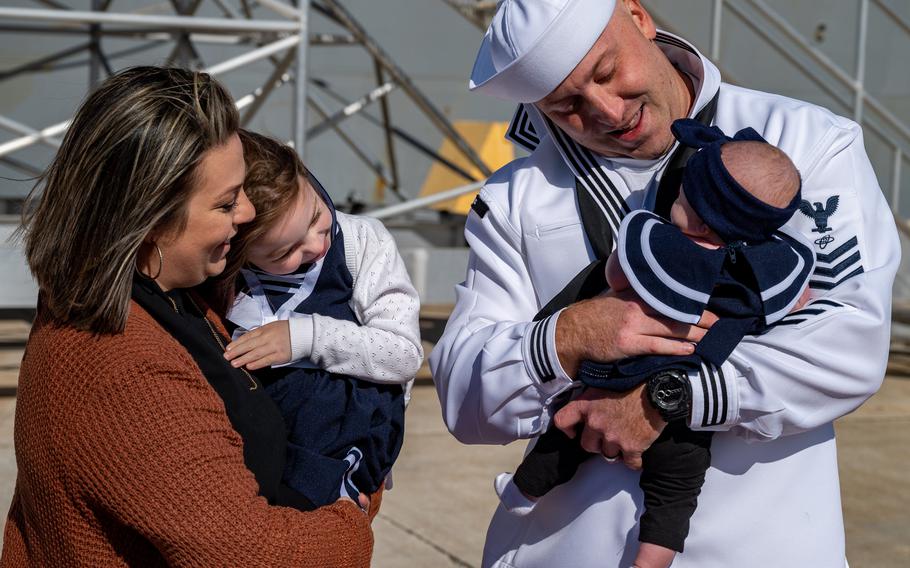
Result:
[
  {"x": 300, "y": 236},
  {"x": 683, "y": 216}
]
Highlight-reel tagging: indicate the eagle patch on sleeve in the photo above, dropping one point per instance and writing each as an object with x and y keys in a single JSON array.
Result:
[
  {"x": 820, "y": 214},
  {"x": 836, "y": 260}
]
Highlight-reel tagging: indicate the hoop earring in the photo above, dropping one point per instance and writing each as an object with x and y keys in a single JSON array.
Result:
[{"x": 160, "y": 264}]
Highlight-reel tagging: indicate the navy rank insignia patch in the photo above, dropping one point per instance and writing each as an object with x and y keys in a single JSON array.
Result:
[
  {"x": 836, "y": 266},
  {"x": 480, "y": 207},
  {"x": 820, "y": 214},
  {"x": 823, "y": 241}
]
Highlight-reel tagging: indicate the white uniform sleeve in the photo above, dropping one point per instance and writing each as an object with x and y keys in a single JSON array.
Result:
[
  {"x": 823, "y": 361},
  {"x": 495, "y": 370},
  {"x": 386, "y": 348}
]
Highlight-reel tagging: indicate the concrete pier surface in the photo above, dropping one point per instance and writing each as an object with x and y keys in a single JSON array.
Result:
[
  {"x": 438, "y": 511},
  {"x": 443, "y": 499}
]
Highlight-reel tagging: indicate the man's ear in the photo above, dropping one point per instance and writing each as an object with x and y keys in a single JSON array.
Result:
[
  {"x": 641, "y": 18},
  {"x": 702, "y": 229}
]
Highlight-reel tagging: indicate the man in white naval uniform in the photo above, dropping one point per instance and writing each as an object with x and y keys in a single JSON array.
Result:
[{"x": 601, "y": 87}]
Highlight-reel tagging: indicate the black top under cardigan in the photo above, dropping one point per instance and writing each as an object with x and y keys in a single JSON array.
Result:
[{"x": 251, "y": 412}]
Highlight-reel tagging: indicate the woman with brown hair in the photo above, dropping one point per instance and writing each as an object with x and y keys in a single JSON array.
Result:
[{"x": 136, "y": 442}]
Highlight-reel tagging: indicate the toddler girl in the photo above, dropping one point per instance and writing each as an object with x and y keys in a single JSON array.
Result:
[{"x": 326, "y": 315}]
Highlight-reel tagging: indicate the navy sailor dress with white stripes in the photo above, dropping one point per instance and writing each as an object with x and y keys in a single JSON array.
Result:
[
  {"x": 344, "y": 433},
  {"x": 748, "y": 286}
]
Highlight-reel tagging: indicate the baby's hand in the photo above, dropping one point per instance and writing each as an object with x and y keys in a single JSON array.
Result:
[
  {"x": 803, "y": 300},
  {"x": 616, "y": 278},
  {"x": 264, "y": 346}
]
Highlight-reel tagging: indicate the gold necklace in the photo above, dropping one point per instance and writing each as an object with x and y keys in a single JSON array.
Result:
[{"x": 217, "y": 337}]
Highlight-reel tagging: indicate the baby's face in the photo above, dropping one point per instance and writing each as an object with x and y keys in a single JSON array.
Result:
[
  {"x": 300, "y": 236},
  {"x": 683, "y": 216}
]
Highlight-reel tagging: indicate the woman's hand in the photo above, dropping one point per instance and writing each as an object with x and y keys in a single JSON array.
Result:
[{"x": 264, "y": 346}]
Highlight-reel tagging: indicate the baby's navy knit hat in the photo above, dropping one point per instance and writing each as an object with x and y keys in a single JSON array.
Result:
[{"x": 722, "y": 203}]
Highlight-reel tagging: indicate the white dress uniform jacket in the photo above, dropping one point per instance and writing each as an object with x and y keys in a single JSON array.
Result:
[{"x": 771, "y": 497}]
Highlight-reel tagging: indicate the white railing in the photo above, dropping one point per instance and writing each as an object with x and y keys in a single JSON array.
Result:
[
  {"x": 861, "y": 99},
  {"x": 292, "y": 35},
  {"x": 148, "y": 21},
  {"x": 862, "y": 102},
  {"x": 425, "y": 201}
]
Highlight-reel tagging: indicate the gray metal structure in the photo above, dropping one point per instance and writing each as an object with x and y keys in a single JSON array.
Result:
[{"x": 283, "y": 41}]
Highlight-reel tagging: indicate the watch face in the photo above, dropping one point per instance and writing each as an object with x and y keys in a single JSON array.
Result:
[{"x": 669, "y": 394}]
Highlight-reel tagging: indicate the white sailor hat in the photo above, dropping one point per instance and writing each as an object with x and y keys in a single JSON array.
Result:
[{"x": 532, "y": 45}]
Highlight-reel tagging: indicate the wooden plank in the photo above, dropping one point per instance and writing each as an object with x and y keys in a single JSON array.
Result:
[
  {"x": 9, "y": 379},
  {"x": 423, "y": 374},
  {"x": 900, "y": 311},
  {"x": 899, "y": 366},
  {"x": 11, "y": 358},
  {"x": 13, "y": 336},
  {"x": 436, "y": 311},
  {"x": 14, "y": 331}
]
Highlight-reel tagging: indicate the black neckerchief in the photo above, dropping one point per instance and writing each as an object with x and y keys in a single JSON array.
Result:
[
  {"x": 668, "y": 190},
  {"x": 251, "y": 412}
]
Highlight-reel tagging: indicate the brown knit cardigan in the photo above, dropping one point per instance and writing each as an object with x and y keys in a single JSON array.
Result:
[{"x": 126, "y": 457}]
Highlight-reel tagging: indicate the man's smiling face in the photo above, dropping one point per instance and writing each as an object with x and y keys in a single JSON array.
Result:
[{"x": 620, "y": 100}]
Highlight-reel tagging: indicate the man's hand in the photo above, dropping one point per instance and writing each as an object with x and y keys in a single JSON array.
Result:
[
  {"x": 615, "y": 424},
  {"x": 617, "y": 325},
  {"x": 264, "y": 346}
]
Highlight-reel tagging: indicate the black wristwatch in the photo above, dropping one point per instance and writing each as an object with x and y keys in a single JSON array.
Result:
[{"x": 670, "y": 393}]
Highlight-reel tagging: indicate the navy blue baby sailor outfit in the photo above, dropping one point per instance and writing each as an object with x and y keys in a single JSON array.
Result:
[
  {"x": 747, "y": 285},
  {"x": 344, "y": 433},
  {"x": 752, "y": 282}
]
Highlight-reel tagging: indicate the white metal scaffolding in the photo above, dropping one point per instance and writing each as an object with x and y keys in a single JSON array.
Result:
[{"x": 273, "y": 30}]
